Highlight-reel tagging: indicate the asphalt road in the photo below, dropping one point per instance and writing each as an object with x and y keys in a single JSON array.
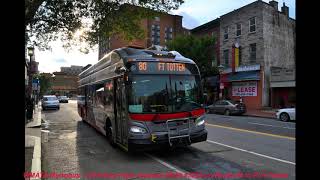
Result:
[
  {"x": 265, "y": 125},
  {"x": 72, "y": 146}
]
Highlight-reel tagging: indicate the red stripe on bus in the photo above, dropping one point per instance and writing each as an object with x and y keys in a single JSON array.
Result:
[
  {"x": 152, "y": 117},
  {"x": 198, "y": 112}
]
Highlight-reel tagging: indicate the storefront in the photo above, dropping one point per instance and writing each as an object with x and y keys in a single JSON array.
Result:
[
  {"x": 283, "y": 87},
  {"x": 244, "y": 83}
]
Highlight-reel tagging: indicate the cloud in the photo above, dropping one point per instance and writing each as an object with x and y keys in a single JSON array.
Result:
[
  {"x": 60, "y": 60},
  {"x": 51, "y": 61},
  {"x": 188, "y": 21},
  {"x": 202, "y": 11}
]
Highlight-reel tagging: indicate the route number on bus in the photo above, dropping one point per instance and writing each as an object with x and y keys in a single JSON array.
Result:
[{"x": 163, "y": 67}]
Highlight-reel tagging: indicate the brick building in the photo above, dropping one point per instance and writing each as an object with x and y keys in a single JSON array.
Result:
[
  {"x": 64, "y": 84},
  {"x": 157, "y": 32},
  {"x": 265, "y": 37},
  {"x": 73, "y": 70}
]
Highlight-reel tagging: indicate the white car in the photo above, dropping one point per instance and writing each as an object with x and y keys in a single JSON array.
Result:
[{"x": 286, "y": 114}]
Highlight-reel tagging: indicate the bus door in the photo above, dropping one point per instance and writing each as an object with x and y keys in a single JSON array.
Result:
[
  {"x": 120, "y": 111},
  {"x": 85, "y": 103}
]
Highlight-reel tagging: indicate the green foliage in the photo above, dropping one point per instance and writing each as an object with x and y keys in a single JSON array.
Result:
[
  {"x": 45, "y": 83},
  {"x": 199, "y": 49},
  {"x": 48, "y": 20}
]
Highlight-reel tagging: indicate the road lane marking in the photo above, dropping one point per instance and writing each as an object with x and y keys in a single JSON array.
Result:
[
  {"x": 251, "y": 152},
  {"x": 170, "y": 166},
  {"x": 255, "y": 132},
  {"x": 270, "y": 125}
]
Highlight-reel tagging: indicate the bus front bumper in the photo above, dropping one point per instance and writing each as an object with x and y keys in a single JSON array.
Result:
[{"x": 161, "y": 140}]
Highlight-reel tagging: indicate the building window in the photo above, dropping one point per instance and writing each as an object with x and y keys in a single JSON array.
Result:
[
  {"x": 155, "y": 34},
  {"x": 157, "y": 18},
  {"x": 168, "y": 33},
  {"x": 252, "y": 24},
  {"x": 225, "y": 34},
  {"x": 238, "y": 29},
  {"x": 252, "y": 52},
  {"x": 226, "y": 57}
]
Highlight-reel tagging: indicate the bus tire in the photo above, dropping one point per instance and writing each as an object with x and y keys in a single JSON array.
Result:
[{"x": 109, "y": 133}]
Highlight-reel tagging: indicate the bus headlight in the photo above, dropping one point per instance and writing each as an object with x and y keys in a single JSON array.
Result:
[
  {"x": 136, "y": 129},
  {"x": 200, "y": 121}
]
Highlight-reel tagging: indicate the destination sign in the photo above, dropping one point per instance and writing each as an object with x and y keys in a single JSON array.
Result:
[{"x": 163, "y": 68}]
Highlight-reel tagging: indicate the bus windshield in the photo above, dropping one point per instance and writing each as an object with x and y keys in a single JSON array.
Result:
[{"x": 164, "y": 93}]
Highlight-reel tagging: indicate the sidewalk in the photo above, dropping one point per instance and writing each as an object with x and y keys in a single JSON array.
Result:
[
  {"x": 261, "y": 113},
  {"x": 33, "y": 142}
]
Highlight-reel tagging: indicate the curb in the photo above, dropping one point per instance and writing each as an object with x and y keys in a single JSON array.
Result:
[
  {"x": 252, "y": 115},
  {"x": 37, "y": 121},
  {"x": 36, "y": 160},
  {"x": 36, "y": 143}
]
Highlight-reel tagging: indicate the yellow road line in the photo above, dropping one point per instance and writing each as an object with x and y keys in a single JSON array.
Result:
[{"x": 255, "y": 132}]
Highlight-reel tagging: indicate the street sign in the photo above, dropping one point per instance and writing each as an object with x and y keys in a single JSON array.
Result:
[{"x": 34, "y": 86}]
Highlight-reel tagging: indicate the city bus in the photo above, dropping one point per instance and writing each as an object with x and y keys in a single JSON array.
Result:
[{"x": 143, "y": 99}]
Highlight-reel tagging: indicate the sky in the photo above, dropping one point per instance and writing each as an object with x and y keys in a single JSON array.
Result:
[{"x": 194, "y": 12}]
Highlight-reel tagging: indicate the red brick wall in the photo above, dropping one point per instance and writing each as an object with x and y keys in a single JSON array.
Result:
[{"x": 166, "y": 20}]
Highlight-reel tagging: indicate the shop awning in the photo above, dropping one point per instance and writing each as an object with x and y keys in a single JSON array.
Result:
[{"x": 244, "y": 76}]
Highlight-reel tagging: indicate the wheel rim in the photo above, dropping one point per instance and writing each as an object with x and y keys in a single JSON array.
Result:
[{"x": 284, "y": 117}]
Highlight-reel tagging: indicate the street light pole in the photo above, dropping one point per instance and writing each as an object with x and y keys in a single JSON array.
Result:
[
  {"x": 30, "y": 53},
  {"x": 29, "y": 102}
]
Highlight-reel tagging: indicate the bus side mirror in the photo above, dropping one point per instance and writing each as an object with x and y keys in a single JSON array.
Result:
[{"x": 119, "y": 70}]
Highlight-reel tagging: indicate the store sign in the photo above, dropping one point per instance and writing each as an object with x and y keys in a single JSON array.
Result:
[
  {"x": 244, "y": 89},
  {"x": 243, "y": 68},
  {"x": 248, "y": 68},
  {"x": 282, "y": 74}
]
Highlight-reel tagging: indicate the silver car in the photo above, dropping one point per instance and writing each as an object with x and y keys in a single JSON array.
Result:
[
  {"x": 227, "y": 107},
  {"x": 63, "y": 99},
  {"x": 50, "y": 102}
]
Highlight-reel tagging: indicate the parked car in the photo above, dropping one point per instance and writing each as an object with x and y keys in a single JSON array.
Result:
[
  {"x": 227, "y": 107},
  {"x": 63, "y": 99},
  {"x": 50, "y": 102},
  {"x": 286, "y": 114}
]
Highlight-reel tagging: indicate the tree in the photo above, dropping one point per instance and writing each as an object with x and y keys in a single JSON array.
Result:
[
  {"x": 45, "y": 83},
  {"x": 199, "y": 49},
  {"x": 47, "y": 20}
]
